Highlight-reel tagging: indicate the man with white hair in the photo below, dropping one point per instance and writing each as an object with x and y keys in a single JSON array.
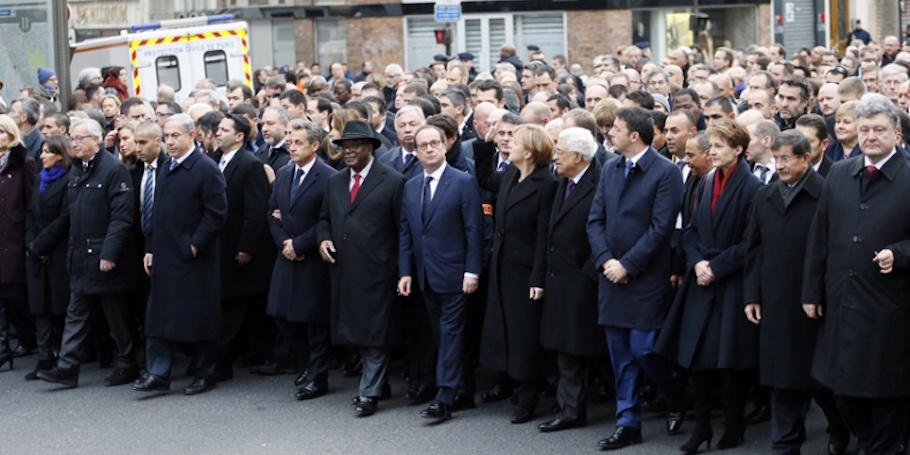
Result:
[
  {"x": 571, "y": 300},
  {"x": 100, "y": 215}
]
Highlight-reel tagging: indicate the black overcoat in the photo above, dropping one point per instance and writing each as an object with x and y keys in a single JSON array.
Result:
[
  {"x": 300, "y": 289},
  {"x": 190, "y": 209},
  {"x": 365, "y": 311},
  {"x": 46, "y": 237},
  {"x": 863, "y": 345},
  {"x": 511, "y": 328},
  {"x": 246, "y": 228},
  {"x": 570, "y": 299},
  {"x": 706, "y": 327},
  {"x": 17, "y": 180},
  {"x": 773, "y": 279}
]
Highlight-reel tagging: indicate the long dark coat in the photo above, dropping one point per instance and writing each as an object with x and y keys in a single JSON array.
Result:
[
  {"x": 17, "y": 181},
  {"x": 706, "y": 327},
  {"x": 569, "y": 311},
  {"x": 48, "y": 228},
  {"x": 365, "y": 311},
  {"x": 246, "y": 228},
  {"x": 190, "y": 210},
  {"x": 101, "y": 214},
  {"x": 511, "y": 329},
  {"x": 863, "y": 345},
  {"x": 773, "y": 279},
  {"x": 632, "y": 219},
  {"x": 300, "y": 289}
]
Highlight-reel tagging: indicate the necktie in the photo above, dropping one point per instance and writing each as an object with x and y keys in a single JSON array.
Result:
[
  {"x": 569, "y": 187},
  {"x": 356, "y": 187},
  {"x": 148, "y": 200},
  {"x": 298, "y": 182},
  {"x": 221, "y": 164},
  {"x": 173, "y": 165},
  {"x": 762, "y": 172},
  {"x": 408, "y": 159},
  {"x": 628, "y": 170},
  {"x": 872, "y": 172},
  {"x": 427, "y": 196},
  {"x": 502, "y": 166}
]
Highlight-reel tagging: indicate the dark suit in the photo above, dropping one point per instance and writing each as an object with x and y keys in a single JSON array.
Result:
[
  {"x": 862, "y": 340},
  {"x": 136, "y": 245},
  {"x": 276, "y": 157},
  {"x": 631, "y": 220},
  {"x": 243, "y": 287},
  {"x": 570, "y": 298},
  {"x": 299, "y": 296},
  {"x": 442, "y": 244},
  {"x": 511, "y": 330},
  {"x": 825, "y": 166},
  {"x": 389, "y": 135},
  {"x": 365, "y": 273},
  {"x": 392, "y": 159},
  {"x": 185, "y": 301}
]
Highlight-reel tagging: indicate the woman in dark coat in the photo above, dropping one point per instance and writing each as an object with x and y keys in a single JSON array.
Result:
[
  {"x": 17, "y": 178},
  {"x": 46, "y": 238},
  {"x": 511, "y": 332},
  {"x": 706, "y": 330}
]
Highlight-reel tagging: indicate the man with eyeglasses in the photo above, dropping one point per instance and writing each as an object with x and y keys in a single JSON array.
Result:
[
  {"x": 100, "y": 197},
  {"x": 658, "y": 81},
  {"x": 441, "y": 240},
  {"x": 358, "y": 236},
  {"x": 164, "y": 111}
]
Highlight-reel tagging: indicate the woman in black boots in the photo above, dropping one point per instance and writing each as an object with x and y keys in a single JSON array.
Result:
[{"x": 47, "y": 228}]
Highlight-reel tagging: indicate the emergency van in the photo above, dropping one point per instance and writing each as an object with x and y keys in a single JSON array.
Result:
[{"x": 177, "y": 53}]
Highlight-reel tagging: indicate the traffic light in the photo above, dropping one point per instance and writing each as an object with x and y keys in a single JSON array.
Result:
[
  {"x": 698, "y": 22},
  {"x": 443, "y": 36}
]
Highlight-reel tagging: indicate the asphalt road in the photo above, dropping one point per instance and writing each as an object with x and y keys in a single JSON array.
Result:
[{"x": 258, "y": 415}]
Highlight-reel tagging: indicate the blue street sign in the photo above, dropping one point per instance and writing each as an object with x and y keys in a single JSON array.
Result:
[
  {"x": 7, "y": 13},
  {"x": 448, "y": 13}
]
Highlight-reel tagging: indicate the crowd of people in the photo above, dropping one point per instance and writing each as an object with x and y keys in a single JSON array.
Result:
[{"x": 707, "y": 230}]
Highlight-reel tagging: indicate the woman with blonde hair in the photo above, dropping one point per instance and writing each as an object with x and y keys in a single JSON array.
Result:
[{"x": 524, "y": 195}]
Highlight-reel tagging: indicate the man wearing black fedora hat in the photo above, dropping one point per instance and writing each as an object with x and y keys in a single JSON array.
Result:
[{"x": 358, "y": 236}]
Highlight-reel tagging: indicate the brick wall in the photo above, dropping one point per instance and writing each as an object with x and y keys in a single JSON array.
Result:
[
  {"x": 378, "y": 39},
  {"x": 591, "y": 33}
]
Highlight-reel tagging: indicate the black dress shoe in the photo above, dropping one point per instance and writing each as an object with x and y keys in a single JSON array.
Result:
[
  {"x": 761, "y": 413},
  {"x": 436, "y": 410},
  {"x": 462, "y": 402},
  {"x": 675, "y": 421},
  {"x": 838, "y": 444},
  {"x": 199, "y": 385},
  {"x": 23, "y": 350},
  {"x": 63, "y": 376},
  {"x": 496, "y": 393},
  {"x": 420, "y": 394},
  {"x": 151, "y": 383},
  {"x": 272, "y": 369},
  {"x": 522, "y": 415},
  {"x": 300, "y": 380},
  {"x": 364, "y": 406},
  {"x": 42, "y": 365},
  {"x": 311, "y": 390},
  {"x": 559, "y": 424},
  {"x": 622, "y": 437},
  {"x": 121, "y": 376}
]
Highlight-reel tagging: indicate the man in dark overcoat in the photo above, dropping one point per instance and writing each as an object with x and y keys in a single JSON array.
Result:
[
  {"x": 182, "y": 259},
  {"x": 358, "y": 235},
  {"x": 299, "y": 296},
  {"x": 858, "y": 282},
  {"x": 778, "y": 232},
  {"x": 570, "y": 304},
  {"x": 100, "y": 195},
  {"x": 244, "y": 253},
  {"x": 632, "y": 218}
]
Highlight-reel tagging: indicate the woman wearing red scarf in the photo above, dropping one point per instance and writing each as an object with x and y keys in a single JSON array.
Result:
[
  {"x": 706, "y": 329},
  {"x": 117, "y": 79}
]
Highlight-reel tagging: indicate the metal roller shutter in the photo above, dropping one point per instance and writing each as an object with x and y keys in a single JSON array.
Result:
[{"x": 799, "y": 24}]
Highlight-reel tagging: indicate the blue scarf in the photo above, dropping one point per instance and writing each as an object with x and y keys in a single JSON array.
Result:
[{"x": 49, "y": 176}]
